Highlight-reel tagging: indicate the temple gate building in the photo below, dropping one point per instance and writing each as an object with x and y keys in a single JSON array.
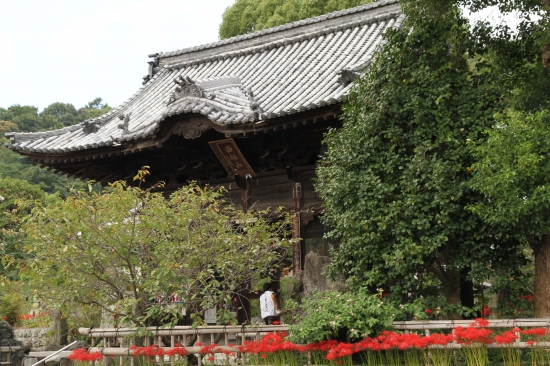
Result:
[{"x": 247, "y": 113}]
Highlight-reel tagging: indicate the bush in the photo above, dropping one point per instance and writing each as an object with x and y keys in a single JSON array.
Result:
[
  {"x": 10, "y": 307},
  {"x": 332, "y": 315}
]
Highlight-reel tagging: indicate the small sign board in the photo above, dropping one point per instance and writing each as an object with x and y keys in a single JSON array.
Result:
[
  {"x": 210, "y": 316},
  {"x": 231, "y": 158}
]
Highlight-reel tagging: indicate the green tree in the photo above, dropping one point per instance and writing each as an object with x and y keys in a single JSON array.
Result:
[
  {"x": 394, "y": 179},
  {"x": 54, "y": 116},
  {"x": 521, "y": 50},
  {"x": 124, "y": 249},
  {"x": 512, "y": 173},
  {"x": 65, "y": 113},
  {"x": 246, "y": 16},
  {"x": 48, "y": 181},
  {"x": 27, "y": 119},
  {"x": 7, "y": 126},
  {"x": 93, "y": 109},
  {"x": 16, "y": 198}
]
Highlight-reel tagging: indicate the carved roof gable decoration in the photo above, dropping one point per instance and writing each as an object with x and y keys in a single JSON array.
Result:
[
  {"x": 347, "y": 76},
  {"x": 192, "y": 129},
  {"x": 125, "y": 118},
  {"x": 257, "y": 112},
  {"x": 187, "y": 87},
  {"x": 91, "y": 126}
]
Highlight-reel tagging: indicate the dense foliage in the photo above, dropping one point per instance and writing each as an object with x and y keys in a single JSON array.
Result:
[
  {"x": 246, "y": 16},
  {"x": 128, "y": 251},
  {"x": 394, "y": 180},
  {"x": 27, "y": 119},
  {"x": 17, "y": 197},
  {"x": 512, "y": 173},
  {"x": 56, "y": 115},
  {"x": 331, "y": 314}
]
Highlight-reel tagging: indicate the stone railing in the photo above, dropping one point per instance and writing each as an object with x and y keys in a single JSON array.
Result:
[
  {"x": 427, "y": 325},
  {"x": 118, "y": 341}
]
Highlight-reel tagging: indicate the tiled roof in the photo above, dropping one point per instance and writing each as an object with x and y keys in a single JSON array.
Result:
[{"x": 245, "y": 79}]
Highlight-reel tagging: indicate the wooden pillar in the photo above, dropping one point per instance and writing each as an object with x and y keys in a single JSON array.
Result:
[
  {"x": 246, "y": 196},
  {"x": 296, "y": 232},
  {"x": 297, "y": 246},
  {"x": 244, "y": 184}
]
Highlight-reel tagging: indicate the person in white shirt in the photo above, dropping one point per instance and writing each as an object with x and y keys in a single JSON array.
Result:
[{"x": 268, "y": 305}]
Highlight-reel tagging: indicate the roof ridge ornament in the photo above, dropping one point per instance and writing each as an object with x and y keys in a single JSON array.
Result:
[
  {"x": 347, "y": 76},
  {"x": 257, "y": 112},
  {"x": 91, "y": 126},
  {"x": 188, "y": 87},
  {"x": 125, "y": 118}
]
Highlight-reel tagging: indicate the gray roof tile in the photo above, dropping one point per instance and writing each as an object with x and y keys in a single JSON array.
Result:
[{"x": 289, "y": 69}]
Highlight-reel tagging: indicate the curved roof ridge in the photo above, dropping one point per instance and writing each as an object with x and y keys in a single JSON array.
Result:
[
  {"x": 290, "y": 72},
  {"x": 280, "y": 28},
  {"x": 106, "y": 117},
  {"x": 278, "y": 43}
]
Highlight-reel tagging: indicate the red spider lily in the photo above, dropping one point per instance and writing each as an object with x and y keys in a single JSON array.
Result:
[
  {"x": 437, "y": 339},
  {"x": 473, "y": 335},
  {"x": 82, "y": 354},
  {"x": 211, "y": 358},
  {"x": 149, "y": 351},
  {"x": 302, "y": 349},
  {"x": 208, "y": 349},
  {"x": 341, "y": 350},
  {"x": 270, "y": 343},
  {"x": 480, "y": 323},
  {"x": 534, "y": 331},
  {"x": 506, "y": 337},
  {"x": 276, "y": 322},
  {"x": 26, "y": 316},
  {"x": 323, "y": 346},
  {"x": 486, "y": 311},
  {"x": 529, "y": 297},
  {"x": 225, "y": 352},
  {"x": 180, "y": 351},
  {"x": 389, "y": 339},
  {"x": 368, "y": 344},
  {"x": 429, "y": 311}
]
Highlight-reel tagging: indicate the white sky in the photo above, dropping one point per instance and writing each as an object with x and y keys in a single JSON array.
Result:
[{"x": 73, "y": 51}]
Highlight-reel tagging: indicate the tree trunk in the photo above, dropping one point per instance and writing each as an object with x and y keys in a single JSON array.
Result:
[
  {"x": 61, "y": 328},
  {"x": 542, "y": 276},
  {"x": 449, "y": 277},
  {"x": 466, "y": 290},
  {"x": 546, "y": 56}
]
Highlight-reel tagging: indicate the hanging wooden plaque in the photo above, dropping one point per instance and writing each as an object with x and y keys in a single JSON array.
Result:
[{"x": 231, "y": 157}]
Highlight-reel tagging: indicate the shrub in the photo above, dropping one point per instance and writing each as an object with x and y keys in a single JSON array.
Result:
[
  {"x": 10, "y": 307},
  {"x": 332, "y": 314}
]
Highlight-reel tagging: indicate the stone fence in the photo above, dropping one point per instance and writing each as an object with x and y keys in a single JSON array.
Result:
[{"x": 40, "y": 338}]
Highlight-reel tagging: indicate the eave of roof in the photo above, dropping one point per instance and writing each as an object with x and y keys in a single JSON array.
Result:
[{"x": 249, "y": 79}]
